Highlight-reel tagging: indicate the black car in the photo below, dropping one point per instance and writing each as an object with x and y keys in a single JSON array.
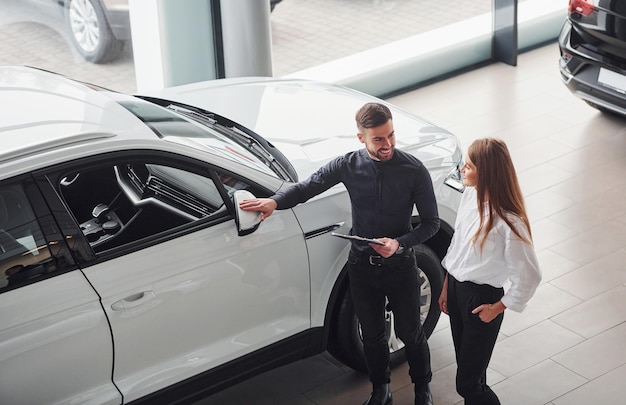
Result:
[{"x": 593, "y": 53}]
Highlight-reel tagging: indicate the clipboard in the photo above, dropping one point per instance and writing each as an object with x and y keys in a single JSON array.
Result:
[{"x": 357, "y": 238}]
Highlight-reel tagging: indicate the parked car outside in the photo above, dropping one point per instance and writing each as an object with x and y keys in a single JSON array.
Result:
[
  {"x": 127, "y": 271},
  {"x": 100, "y": 29},
  {"x": 273, "y": 4},
  {"x": 592, "y": 44}
]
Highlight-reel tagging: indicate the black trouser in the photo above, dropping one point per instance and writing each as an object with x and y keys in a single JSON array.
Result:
[
  {"x": 474, "y": 339},
  {"x": 373, "y": 279}
]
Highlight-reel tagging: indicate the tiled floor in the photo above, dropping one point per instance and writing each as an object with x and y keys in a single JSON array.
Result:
[{"x": 567, "y": 348}]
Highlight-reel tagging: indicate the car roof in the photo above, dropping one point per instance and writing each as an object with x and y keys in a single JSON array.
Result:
[{"x": 44, "y": 111}]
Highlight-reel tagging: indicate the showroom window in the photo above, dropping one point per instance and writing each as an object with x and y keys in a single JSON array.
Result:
[
  {"x": 334, "y": 29},
  {"x": 305, "y": 34}
]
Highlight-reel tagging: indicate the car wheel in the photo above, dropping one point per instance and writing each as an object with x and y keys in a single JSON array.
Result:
[
  {"x": 90, "y": 31},
  {"x": 346, "y": 344}
]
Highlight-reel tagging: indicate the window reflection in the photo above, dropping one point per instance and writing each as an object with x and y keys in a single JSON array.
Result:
[{"x": 305, "y": 33}]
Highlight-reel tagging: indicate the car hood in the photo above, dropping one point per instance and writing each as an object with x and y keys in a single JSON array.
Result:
[{"x": 309, "y": 122}]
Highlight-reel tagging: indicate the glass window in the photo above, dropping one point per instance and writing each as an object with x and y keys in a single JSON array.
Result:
[
  {"x": 202, "y": 129},
  {"x": 24, "y": 253},
  {"x": 307, "y": 33},
  {"x": 127, "y": 201},
  {"x": 304, "y": 34}
]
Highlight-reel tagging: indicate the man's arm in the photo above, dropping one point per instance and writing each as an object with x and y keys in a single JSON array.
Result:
[
  {"x": 426, "y": 203},
  {"x": 320, "y": 181}
]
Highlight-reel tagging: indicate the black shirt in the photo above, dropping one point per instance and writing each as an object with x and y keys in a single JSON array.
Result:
[{"x": 382, "y": 194}]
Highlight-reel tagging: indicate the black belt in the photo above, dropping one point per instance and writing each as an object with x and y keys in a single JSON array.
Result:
[{"x": 377, "y": 260}]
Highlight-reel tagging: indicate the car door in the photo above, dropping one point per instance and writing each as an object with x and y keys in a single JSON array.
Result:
[
  {"x": 182, "y": 291},
  {"x": 55, "y": 342}
]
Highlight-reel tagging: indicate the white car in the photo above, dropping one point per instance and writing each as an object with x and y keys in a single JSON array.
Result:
[{"x": 127, "y": 272}]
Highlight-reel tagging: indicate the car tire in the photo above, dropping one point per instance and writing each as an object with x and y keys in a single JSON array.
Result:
[
  {"x": 345, "y": 342},
  {"x": 90, "y": 32}
]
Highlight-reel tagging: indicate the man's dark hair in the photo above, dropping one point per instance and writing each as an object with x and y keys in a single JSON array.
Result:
[{"x": 372, "y": 115}]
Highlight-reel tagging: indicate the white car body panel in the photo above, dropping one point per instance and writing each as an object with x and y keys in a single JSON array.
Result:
[
  {"x": 55, "y": 325},
  {"x": 169, "y": 333}
]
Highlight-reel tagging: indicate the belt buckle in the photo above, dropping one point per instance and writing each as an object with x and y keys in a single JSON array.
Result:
[{"x": 376, "y": 260}]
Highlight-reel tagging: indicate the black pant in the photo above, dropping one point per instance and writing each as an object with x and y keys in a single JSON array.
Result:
[
  {"x": 474, "y": 339},
  {"x": 397, "y": 279}
]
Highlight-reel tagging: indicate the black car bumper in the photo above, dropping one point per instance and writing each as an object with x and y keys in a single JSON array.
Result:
[{"x": 580, "y": 71}]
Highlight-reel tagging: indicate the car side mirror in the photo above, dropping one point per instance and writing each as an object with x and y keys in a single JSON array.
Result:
[{"x": 247, "y": 221}]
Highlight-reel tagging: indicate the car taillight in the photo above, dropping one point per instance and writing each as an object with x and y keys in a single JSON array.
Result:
[{"x": 583, "y": 7}]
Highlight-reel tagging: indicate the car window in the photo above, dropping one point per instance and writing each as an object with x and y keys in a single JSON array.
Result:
[
  {"x": 24, "y": 253},
  {"x": 127, "y": 201},
  {"x": 202, "y": 130}
]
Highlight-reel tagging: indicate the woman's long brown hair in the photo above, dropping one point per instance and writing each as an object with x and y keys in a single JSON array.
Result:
[{"x": 498, "y": 185}]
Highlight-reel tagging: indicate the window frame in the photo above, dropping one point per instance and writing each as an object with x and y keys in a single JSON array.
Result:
[
  {"x": 50, "y": 177},
  {"x": 52, "y": 239}
]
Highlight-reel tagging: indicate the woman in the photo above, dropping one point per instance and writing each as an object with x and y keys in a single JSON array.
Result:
[{"x": 492, "y": 243}]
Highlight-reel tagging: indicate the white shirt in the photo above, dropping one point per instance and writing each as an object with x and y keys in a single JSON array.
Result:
[{"x": 504, "y": 256}]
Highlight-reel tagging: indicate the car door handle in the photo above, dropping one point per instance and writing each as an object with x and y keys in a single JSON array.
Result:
[
  {"x": 133, "y": 301},
  {"x": 321, "y": 231}
]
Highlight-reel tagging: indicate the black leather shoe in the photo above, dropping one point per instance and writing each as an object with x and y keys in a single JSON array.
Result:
[
  {"x": 381, "y": 395},
  {"x": 423, "y": 397}
]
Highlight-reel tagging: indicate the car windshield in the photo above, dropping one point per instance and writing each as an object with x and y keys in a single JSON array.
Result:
[{"x": 219, "y": 139}]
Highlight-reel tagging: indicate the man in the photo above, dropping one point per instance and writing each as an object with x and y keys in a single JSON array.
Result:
[{"x": 384, "y": 184}]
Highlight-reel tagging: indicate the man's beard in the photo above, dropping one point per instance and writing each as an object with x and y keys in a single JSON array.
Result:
[{"x": 382, "y": 157}]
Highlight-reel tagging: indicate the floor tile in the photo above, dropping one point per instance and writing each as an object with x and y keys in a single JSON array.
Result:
[
  {"x": 595, "y": 315},
  {"x": 594, "y": 278},
  {"x": 442, "y": 356},
  {"x": 542, "y": 177},
  {"x": 537, "y": 385},
  {"x": 531, "y": 347},
  {"x": 444, "y": 386},
  {"x": 547, "y": 302},
  {"x": 441, "y": 337},
  {"x": 547, "y": 233},
  {"x": 597, "y": 355},
  {"x": 536, "y": 153},
  {"x": 545, "y": 203},
  {"x": 594, "y": 243},
  {"x": 607, "y": 389},
  {"x": 553, "y": 265},
  {"x": 592, "y": 184}
]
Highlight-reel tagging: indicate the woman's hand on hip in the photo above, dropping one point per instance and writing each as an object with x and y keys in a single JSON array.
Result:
[{"x": 489, "y": 312}]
